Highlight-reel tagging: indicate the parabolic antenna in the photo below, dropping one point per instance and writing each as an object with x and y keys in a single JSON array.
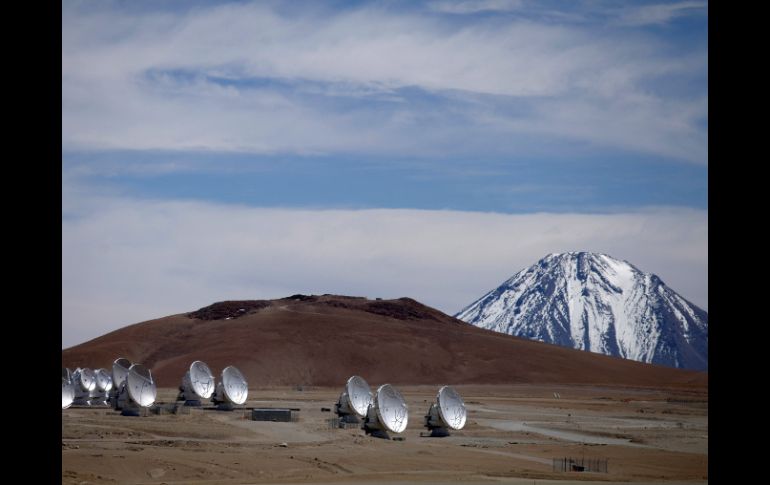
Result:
[
  {"x": 202, "y": 379},
  {"x": 67, "y": 389},
  {"x": 353, "y": 401},
  {"x": 118, "y": 395},
  {"x": 103, "y": 380},
  {"x": 359, "y": 394},
  {"x": 231, "y": 390},
  {"x": 84, "y": 383},
  {"x": 120, "y": 371},
  {"x": 100, "y": 395},
  {"x": 141, "y": 386},
  {"x": 391, "y": 408},
  {"x": 448, "y": 412},
  {"x": 388, "y": 412},
  {"x": 451, "y": 407},
  {"x": 197, "y": 384},
  {"x": 86, "y": 379},
  {"x": 235, "y": 386}
]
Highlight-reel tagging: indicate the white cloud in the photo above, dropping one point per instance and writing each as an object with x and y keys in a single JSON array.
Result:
[
  {"x": 109, "y": 100},
  {"x": 659, "y": 14},
  {"x": 475, "y": 6},
  {"x": 126, "y": 260}
]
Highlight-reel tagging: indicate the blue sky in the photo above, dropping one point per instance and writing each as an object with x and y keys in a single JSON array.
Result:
[
  {"x": 605, "y": 183},
  {"x": 510, "y": 107}
]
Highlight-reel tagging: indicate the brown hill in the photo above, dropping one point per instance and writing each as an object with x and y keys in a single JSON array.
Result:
[{"x": 322, "y": 340}]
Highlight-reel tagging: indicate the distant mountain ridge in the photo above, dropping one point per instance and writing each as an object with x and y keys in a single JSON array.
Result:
[
  {"x": 594, "y": 302},
  {"x": 321, "y": 340}
]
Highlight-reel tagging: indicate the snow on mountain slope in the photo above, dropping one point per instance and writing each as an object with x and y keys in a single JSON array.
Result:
[{"x": 594, "y": 302}]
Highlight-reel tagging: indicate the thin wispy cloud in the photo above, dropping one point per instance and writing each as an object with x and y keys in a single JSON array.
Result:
[
  {"x": 246, "y": 77},
  {"x": 660, "y": 14},
  {"x": 471, "y": 6}
]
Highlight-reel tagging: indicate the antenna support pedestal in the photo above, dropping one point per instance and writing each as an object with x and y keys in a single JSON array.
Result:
[
  {"x": 98, "y": 398},
  {"x": 438, "y": 432},
  {"x": 378, "y": 433},
  {"x": 133, "y": 410},
  {"x": 349, "y": 418},
  {"x": 375, "y": 432}
]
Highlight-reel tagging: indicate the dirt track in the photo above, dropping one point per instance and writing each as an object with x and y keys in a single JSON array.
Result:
[{"x": 512, "y": 434}]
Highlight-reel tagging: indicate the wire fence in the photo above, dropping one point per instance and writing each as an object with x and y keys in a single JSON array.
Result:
[{"x": 598, "y": 465}]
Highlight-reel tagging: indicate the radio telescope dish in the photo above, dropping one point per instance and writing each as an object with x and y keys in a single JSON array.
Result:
[
  {"x": 120, "y": 371},
  {"x": 388, "y": 412},
  {"x": 354, "y": 400},
  {"x": 118, "y": 395},
  {"x": 67, "y": 389},
  {"x": 141, "y": 390},
  {"x": 448, "y": 412},
  {"x": 359, "y": 394},
  {"x": 84, "y": 381},
  {"x": 202, "y": 380},
  {"x": 99, "y": 396},
  {"x": 197, "y": 384},
  {"x": 103, "y": 380},
  {"x": 232, "y": 389}
]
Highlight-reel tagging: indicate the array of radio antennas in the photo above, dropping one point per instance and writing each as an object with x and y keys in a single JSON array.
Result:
[
  {"x": 382, "y": 412},
  {"x": 134, "y": 388},
  {"x": 128, "y": 388},
  {"x": 140, "y": 388},
  {"x": 198, "y": 384},
  {"x": 386, "y": 410},
  {"x": 131, "y": 387}
]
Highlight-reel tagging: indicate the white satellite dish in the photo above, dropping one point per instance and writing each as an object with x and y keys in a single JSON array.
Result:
[
  {"x": 388, "y": 412},
  {"x": 67, "y": 388},
  {"x": 448, "y": 412},
  {"x": 84, "y": 381},
  {"x": 120, "y": 371},
  {"x": 118, "y": 393},
  {"x": 197, "y": 384},
  {"x": 354, "y": 400},
  {"x": 232, "y": 389},
  {"x": 141, "y": 390},
  {"x": 100, "y": 394},
  {"x": 103, "y": 380}
]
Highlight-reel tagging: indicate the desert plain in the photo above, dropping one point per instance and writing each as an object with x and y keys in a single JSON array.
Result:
[{"x": 512, "y": 435}]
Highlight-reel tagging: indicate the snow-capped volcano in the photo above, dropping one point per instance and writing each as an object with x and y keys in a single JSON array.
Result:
[{"x": 594, "y": 302}]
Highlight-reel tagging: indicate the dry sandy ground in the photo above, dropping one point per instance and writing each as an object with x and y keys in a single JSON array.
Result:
[{"x": 512, "y": 434}]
